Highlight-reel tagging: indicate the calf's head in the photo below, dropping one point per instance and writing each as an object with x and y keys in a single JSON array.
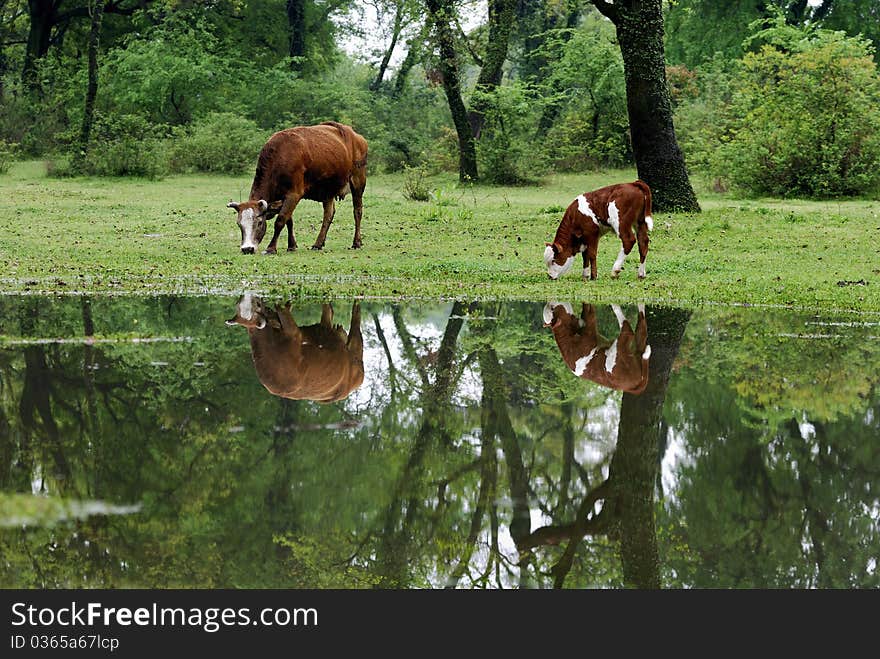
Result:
[
  {"x": 251, "y": 218},
  {"x": 558, "y": 260}
]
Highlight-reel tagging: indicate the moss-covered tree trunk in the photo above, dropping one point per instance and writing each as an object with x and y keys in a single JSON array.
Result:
[
  {"x": 634, "y": 466},
  {"x": 501, "y": 15},
  {"x": 41, "y": 20},
  {"x": 659, "y": 159},
  {"x": 441, "y": 12},
  {"x": 85, "y": 133},
  {"x": 296, "y": 30}
]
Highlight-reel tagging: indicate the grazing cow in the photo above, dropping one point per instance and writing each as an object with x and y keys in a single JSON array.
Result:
[
  {"x": 621, "y": 364},
  {"x": 625, "y": 208},
  {"x": 316, "y": 362},
  {"x": 322, "y": 163}
]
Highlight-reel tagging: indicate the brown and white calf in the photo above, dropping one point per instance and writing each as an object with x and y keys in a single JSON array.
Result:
[
  {"x": 314, "y": 362},
  {"x": 624, "y": 208},
  {"x": 322, "y": 163},
  {"x": 621, "y": 364}
]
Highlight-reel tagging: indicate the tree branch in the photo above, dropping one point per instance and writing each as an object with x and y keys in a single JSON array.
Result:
[{"x": 607, "y": 9}]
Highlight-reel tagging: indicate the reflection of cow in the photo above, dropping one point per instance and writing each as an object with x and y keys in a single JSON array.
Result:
[
  {"x": 316, "y": 362},
  {"x": 621, "y": 364}
]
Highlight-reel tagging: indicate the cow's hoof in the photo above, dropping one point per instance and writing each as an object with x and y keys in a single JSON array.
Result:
[
  {"x": 291, "y": 249},
  {"x": 269, "y": 250},
  {"x": 642, "y": 277},
  {"x": 356, "y": 244},
  {"x": 615, "y": 274},
  {"x": 317, "y": 248}
]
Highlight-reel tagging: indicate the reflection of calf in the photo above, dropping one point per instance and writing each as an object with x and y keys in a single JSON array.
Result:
[
  {"x": 317, "y": 362},
  {"x": 621, "y": 364}
]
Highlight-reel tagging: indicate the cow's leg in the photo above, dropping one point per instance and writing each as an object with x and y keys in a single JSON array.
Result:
[
  {"x": 285, "y": 218},
  {"x": 358, "y": 183},
  {"x": 628, "y": 241},
  {"x": 327, "y": 315},
  {"x": 643, "y": 249},
  {"x": 329, "y": 212},
  {"x": 355, "y": 340}
]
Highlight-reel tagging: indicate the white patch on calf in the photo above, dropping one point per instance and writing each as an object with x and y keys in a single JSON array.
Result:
[
  {"x": 581, "y": 364},
  {"x": 618, "y": 264},
  {"x": 556, "y": 271},
  {"x": 642, "y": 273},
  {"x": 548, "y": 255},
  {"x": 550, "y": 306},
  {"x": 614, "y": 217},
  {"x": 619, "y": 313},
  {"x": 584, "y": 209},
  {"x": 611, "y": 357},
  {"x": 650, "y": 222},
  {"x": 647, "y": 354},
  {"x": 247, "y": 226},
  {"x": 246, "y": 307},
  {"x": 587, "y": 273},
  {"x": 642, "y": 309}
]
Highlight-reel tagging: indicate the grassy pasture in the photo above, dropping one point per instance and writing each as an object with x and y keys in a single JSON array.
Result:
[{"x": 175, "y": 235}]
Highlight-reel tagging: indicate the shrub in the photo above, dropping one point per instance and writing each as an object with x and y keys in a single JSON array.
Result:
[
  {"x": 220, "y": 143},
  {"x": 807, "y": 121},
  {"x": 124, "y": 145},
  {"x": 505, "y": 152},
  {"x": 7, "y": 155},
  {"x": 414, "y": 185}
]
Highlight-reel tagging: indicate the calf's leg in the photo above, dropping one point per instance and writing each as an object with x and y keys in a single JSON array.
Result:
[
  {"x": 628, "y": 240},
  {"x": 643, "y": 249}
]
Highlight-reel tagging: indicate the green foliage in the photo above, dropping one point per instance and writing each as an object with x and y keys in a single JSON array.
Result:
[
  {"x": 415, "y": 187},
  {"x": 591, "y": 129},
  {"x": 171, "y": 74},
  {"x": 8, "y": 153},
  {"x": 125, "y": 145},
  {"x": 505, "y": 152},
  {"x": 221, "y": 142},
  {"x": 806, "y": 122}
]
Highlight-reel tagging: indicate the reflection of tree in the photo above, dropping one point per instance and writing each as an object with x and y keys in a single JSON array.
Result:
[{"x": 628, "y": 493}]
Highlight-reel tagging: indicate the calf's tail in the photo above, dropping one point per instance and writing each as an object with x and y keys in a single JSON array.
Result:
[{"x": 649, "y": 219}]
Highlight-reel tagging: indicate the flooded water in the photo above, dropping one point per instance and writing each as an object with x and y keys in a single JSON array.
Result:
[{"x": 224, "y": 442}]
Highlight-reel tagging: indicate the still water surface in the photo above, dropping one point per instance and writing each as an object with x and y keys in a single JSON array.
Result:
[{"x": 224, "y": 442}]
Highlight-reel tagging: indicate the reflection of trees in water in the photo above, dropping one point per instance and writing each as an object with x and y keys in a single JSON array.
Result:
[{"x": 442, "y": 482}]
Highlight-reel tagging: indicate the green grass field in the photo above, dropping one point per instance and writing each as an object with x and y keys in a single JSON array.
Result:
[{"x": 176, "y": 236}]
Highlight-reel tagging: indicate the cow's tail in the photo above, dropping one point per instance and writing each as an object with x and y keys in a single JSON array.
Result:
[{"x": 649, "y": 218}]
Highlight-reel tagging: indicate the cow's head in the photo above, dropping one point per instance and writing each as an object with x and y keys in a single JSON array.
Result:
[
  {"x": 249, "y": 312},
  {"x": 251, "y": 218},
  {"x": 558, "y": 260}
]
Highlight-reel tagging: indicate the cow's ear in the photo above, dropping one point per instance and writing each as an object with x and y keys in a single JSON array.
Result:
[
  {"x": 263, "y": 204},
  {"x": 232, "y": 205}
]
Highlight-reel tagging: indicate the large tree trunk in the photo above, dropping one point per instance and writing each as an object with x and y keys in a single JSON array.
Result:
[
  {"x": 441, "y": 15},
  {"x": 634, "y": 466},
  {"x": 658, "y": 158},
  {"x": 501, "y": 15},
  {"x": 41, "y": 15},
  {"x": 296, "y": 28},
  {"x": 97, "y": 10}
]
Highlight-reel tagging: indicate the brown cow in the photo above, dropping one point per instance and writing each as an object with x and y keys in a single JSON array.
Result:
[
  {"x": 624, "y": 207},
  {"x": 322, "y": 163},
  {"x": 621, "y": 365},
  {"x": 316, "y": 362}
]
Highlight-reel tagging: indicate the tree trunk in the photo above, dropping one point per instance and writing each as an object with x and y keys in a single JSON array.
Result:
[
  {"x": 395, "y": 35},
  {"x": 413, "y": 53},
  {"x": 41, "y": 19},
  {"x": 97, "y": 11},
  {"x": 501, "y": 15},
  {"x": 634, "y": 466},
  {"x": 296, "y": 28},
  {"x": 441, "y": 15},
  {"x": 658, "y": 158}
]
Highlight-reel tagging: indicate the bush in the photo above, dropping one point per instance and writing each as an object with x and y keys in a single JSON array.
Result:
[
  {"x": 505, "y": 152},
  {"x": 415, "y": 187},
  {"x": 124, "y": 145},
  {"x": 806, "y": 121},
  {"x": 220, "y": 143},
  {"x": 7, "y": 155}
]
